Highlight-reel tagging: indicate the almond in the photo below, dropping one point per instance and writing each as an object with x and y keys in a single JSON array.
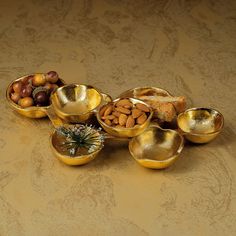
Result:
[
  {"x": 123, "y": 110},
  {"x": 136, "y": 113},
  {"x": 102, "y": 110},
  {"x": 130, "y": 122},
  {"x": 122, "y": 119},
  {"x": 124, "y": 102},
  {"x": 119, "y": 126},
  {"x": 142, "y": 107},
  {"x": 128, "y": 106},
  {"x": 108, "y": 122},
  {"x": 109, "y": 117},
  {"x": 115, "y": 121},
  {"x": 108, "y": 110},
  {"x": 140, "y": 120},
  {"x": 116, "y": 113}
]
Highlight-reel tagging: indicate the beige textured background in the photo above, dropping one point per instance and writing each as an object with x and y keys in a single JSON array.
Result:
[{"x": 187, "y": 47}]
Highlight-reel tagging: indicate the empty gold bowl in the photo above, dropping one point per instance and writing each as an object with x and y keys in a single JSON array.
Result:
[
  {"x": 67, "y": 159},
  {"x": 126, "y": 132},
  {"x": 33, "y": 111},
  {"x": 200, "y": 125},
  {"x": 156, "y": 148},
  {"x": 76, "y": 103}
]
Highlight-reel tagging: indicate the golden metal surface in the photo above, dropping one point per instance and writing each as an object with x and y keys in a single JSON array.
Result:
[
  {"x": 76, "y": 103},
  {"x": 151, "y": 91},
  {"x": 69, "y": 160},
  {"x": 200, "y": 125},
  {"x": 156, "y": 148},
  {"x": 31, "y": 112},
  {"x": 126, "y": 132}
]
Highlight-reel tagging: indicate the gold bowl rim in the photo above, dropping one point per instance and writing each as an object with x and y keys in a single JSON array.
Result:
[
  {"x": 201, "y": 134},
  {"x": 118, "y": 129},
  {"x": 177, "y": 153},
  {"x": 89, "y": 86},
  {"x": 18, "y": 107},
  {"x": 71, "y": 157},
  {"x": 145, "y": 87}
]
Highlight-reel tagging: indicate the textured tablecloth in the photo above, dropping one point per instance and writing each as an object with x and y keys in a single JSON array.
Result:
[{"x": 186, "y": 47}]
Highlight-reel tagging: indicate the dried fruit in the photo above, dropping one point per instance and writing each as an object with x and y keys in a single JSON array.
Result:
[
  {"x": 41, "y": 98},
  {"x": 26, "y": 91},
  {"x": 26, "y": 102},
  {"x": 52, "y": 77},
  {"x": 15, "y": 97},
  {"x": 39, "y": 80},
  {"x": 17, "y": 86}
]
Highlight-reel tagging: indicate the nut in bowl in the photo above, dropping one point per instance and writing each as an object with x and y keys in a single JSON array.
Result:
[
  {"x": 156, "y": 148},
  {"x": 200, "y": 125},
  {"x": 125, "y": 117},
  {"x": 29, "y": 95},
  {"x": 76, "y": 144}
]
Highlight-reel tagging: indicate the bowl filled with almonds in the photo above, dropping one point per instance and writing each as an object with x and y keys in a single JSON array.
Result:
[{"x": 125, "y": 117}]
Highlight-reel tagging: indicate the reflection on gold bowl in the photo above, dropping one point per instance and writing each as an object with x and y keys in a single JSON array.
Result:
[
  {"x": 33, "y": 111},
  {"x": 76, "y": 103},
  {"x": 200, "y": 125},
  {"x": 126, "y": 132},
  {"x": 156, "y": 148},
  {"x": 79, "y": 159}
]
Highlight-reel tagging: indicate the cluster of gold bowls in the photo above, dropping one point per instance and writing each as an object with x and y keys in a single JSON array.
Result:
[{"x": 150, "y": 145}]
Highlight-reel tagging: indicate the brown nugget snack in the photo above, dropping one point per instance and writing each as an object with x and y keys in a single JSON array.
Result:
[{"x": 164, "y": 111}]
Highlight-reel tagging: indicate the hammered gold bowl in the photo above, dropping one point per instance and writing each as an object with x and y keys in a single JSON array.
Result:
[
  {"x": 76, "y": 103},
  {"x": 33, "y": 111},
  {"x": 148, "y": 91},
  {"x": 200, "y": 125},
  {"x": 67, "y": 159},
  {"x": 156, "y": 148},
  {"x": 126, "y": 132}
]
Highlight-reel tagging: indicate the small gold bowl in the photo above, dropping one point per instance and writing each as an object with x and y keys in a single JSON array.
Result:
[
  {"x": 200, "y": 125},
  {"x": 33, "y": 111},
  {"x": 70, "y": 160},
  {"x": 76, "y": 103},
  {"x": 126, "y": 132},
  {"x": 156, "y": 148}
]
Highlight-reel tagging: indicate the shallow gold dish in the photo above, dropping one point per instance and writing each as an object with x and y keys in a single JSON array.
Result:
[
  {"x": 126, "y": 132},
  {"x": 78, "y": 159},
  {"x": 200, "y": 125},
  {"x": 149, "y": 91},
  {"x": 76, "y": 103},
  {"x": 156, "y": 148},
  {"x": 33, "y": 111}
]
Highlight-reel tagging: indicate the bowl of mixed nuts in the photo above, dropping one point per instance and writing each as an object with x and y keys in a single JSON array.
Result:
[{"x": 125, "y": 117}]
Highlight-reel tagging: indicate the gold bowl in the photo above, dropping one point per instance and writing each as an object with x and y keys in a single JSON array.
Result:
[
  {"x": 33, "y": 111},
  {"x": 156, "y": 148},
  {"x": 78, "y": 159},
  {"x": 200, "y": 125},
  {"x": 126, "y": 132},
  {"x": 76, "y": 103},
  {"x": 148, "y": 91}
]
